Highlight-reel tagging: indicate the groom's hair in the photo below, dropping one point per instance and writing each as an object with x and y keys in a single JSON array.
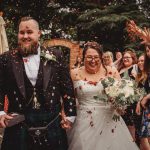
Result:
[{"x": 28, "y": 18}]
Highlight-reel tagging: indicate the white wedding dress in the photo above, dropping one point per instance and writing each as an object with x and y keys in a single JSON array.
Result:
[{"x": 94, "y": 128}]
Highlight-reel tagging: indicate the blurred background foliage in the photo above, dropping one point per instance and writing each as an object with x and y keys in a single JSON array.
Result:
[{"x": 103, "y": 21}]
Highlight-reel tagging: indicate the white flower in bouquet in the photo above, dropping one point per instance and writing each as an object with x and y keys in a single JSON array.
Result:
[
  {"x": 112, "y": 91},
  {"x": 129, "y": 83},
  {"x": 128, "y": 91}
]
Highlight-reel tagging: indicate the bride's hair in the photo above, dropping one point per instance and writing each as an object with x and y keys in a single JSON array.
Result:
[{"x": 93, "y": 45}]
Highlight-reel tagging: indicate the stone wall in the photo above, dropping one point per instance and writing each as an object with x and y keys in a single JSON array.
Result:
[{"x": 74, "y": 47}]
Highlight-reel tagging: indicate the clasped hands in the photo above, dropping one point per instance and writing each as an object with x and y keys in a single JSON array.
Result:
[
  {"x": 5, "y": 118},
  {"x": 65, "y": 123}
]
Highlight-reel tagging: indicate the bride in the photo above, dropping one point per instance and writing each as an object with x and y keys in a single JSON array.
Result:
[{"x": 94, "y": 128}]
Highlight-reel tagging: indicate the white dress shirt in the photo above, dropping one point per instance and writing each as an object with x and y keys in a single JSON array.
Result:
[{"x": 31, "y": 64}]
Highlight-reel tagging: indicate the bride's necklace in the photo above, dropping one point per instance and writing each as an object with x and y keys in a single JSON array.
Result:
[
  {"x": 95, "y": 77},
  {"x": 91, "y": 72}
]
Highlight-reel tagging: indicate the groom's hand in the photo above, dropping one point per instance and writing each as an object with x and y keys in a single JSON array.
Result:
[
  {"x": 4, "y": 120},
  {"x": 66, "y": 124}
]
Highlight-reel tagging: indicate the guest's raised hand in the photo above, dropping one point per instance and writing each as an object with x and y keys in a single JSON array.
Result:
[{"x": 146, "y": 36}]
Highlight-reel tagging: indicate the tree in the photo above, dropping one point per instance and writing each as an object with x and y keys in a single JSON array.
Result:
[
  {"x": 107, "y": 25},
  {"x": 82, "y": 20}
]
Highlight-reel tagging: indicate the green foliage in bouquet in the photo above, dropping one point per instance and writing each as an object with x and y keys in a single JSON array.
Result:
[{"x": 120, "y": 93}]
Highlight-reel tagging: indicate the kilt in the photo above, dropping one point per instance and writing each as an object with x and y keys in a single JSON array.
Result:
[{"x": 17, "y": 137}]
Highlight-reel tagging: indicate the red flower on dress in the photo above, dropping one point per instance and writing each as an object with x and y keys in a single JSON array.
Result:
[
  {"x": 110, "y": 73},
  {"x": 112, "y": 130},
  {"x": 80, "y": 87},
  {"x": 93, "y": 83},
  {"x": 91, "y": 123},
  {"x": 65, "y": 96},
  {"x": 89, "y": 112},
  {"x": 25, "y": 60}
]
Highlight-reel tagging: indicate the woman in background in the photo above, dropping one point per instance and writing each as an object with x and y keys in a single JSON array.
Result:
[
  {"x": 128, "y": 69},
  {"x": 108, "y": 58},
  {"x": 145, "y": 103},
  {"x": 140, "y": 79},
  {"x": 78, "y": 63},
  {"x": 118, "y": 58}
]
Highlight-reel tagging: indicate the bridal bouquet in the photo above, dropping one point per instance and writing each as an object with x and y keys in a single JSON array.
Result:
[{"x": 120, "y": 93}]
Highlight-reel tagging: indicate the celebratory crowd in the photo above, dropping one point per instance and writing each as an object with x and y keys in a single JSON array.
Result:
[{"x": 52, "y": 108}]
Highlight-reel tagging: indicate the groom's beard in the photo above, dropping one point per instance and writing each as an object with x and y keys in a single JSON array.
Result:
[{"x": 30, "y": 50}]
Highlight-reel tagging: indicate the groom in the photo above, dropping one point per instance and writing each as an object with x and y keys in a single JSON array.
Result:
[{"x": 34, "y": 80}]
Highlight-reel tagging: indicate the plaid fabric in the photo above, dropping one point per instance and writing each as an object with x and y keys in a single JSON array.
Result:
[
  {"x": 41, "y": 117},
  {"x": 18, "y": 138}
]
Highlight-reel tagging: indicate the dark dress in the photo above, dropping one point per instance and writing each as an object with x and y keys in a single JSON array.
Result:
[
  {"x": 145, "y": 126},
  {"x": 130, "y": 117},
  {"x": 130, "y": 111}
]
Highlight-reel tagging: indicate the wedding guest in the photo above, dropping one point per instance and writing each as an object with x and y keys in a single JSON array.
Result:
[
  {"x": 140, "y": 79},
  {"x": 94, "y": 127},
  {"x": 108, "y": 58},
  {"x": 118, "y": 55},
  {"x": 144, "y": 35},
  {"x": 144, "y": 78},
  {"x": 128, "y": 64},
  {"x": 118, "y": 58},
  {"x": 128, "y": 69},
  {"x": 78, "y": 63}
]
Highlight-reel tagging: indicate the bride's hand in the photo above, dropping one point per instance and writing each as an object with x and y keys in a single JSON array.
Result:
[
  {"x": 120, "y": 111},
  {"x": 65, "y": 124}
]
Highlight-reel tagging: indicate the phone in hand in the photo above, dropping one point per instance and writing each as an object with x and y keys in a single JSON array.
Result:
[{"x": 17, "y": 118}]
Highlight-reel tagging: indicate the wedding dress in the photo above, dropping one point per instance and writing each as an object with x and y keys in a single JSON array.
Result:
[{"x": 94, "y": 128}]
